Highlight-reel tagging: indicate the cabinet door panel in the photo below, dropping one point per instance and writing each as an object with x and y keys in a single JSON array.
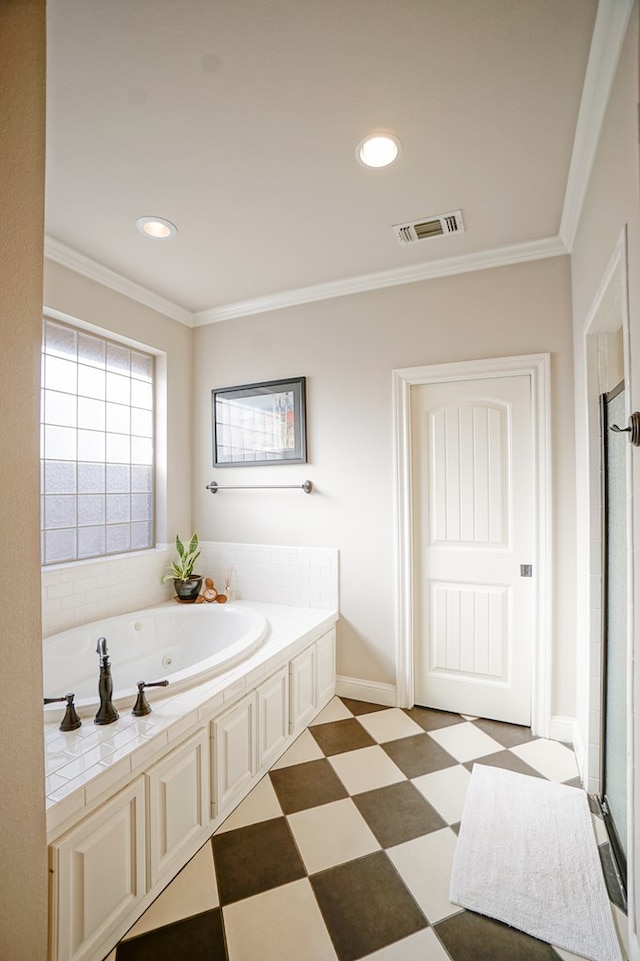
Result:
[
  {"x": 303, "y": 689},
  {"x": 178, "y": 803},
  {"x": 235, "y": 751},
  {"x": 99, "y": 874},
  {"x": 326, "y": 667},
  {"x": 273, "y": 717}
]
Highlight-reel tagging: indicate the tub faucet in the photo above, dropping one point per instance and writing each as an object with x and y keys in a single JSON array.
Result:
[{"x": 107, "y": 713}]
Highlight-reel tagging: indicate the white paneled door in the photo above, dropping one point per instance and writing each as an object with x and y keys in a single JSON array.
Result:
[{"x": 474, "y": 524}]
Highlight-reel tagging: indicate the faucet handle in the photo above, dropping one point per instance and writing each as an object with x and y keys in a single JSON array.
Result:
[
  {"x": 70, "y": 721},
  {"x": 142, "y": 706}
]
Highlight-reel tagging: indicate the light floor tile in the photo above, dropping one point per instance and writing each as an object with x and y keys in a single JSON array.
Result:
[
  {"x": 555, "y": 761},
  {"x": 423, "y": 946},
  {"x": 260, "y": 804},
  {"x": 304, "y": 748},
  {"x": 567, "y": 955},
  {"x": 622, "y": 928},
  {"x": 331, "y": 834},
  {"x": 365, "y": 769},
  {"x": 334, "y": 711},
  {"x": 425, "y": 866},
  {"x": 284, "y": 922},
  {"x": 600, "y": 829},
  {"x": 446, "y": 790},
  {"x": 192, "y": 891},
  {"x": 465, "y": 742},
  {"x": 389, "y": 725}
]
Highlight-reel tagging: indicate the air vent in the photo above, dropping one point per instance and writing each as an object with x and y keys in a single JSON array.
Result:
[{"x": 416, "y": 230}]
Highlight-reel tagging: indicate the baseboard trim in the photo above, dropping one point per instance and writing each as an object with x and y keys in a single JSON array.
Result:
[
  {"x": 371, "y": 691},
  {"x": 562, "y": 729},
  {"x": 580, "y": 752}
]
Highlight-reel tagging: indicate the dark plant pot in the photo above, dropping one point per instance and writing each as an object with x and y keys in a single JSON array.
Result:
[{"x": 187, "y": 591}]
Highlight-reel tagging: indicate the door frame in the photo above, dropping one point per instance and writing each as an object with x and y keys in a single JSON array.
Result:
[{"x": 537, "y": 367}]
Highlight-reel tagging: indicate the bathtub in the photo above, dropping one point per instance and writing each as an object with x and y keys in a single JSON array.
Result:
[{"x": 182, "y": 643}]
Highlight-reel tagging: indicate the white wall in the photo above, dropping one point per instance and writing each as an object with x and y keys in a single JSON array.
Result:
[
  {"x": 612, "y": 205},
  {"x": 347, "y": 349}
]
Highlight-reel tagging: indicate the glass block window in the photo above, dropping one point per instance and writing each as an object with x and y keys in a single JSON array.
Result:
[{"x": 97, "y": 450}]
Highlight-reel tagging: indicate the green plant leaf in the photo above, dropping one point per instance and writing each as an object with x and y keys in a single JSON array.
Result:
[
  {"x": 193, "y": 544},
  {"x": 182, "y": 569}
]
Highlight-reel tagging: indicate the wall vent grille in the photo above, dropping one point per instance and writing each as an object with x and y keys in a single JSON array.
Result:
[{"x": 436, "y": 226}]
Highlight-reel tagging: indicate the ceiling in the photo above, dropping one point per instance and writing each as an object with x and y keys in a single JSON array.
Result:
[{"x": 238, "y": 121}]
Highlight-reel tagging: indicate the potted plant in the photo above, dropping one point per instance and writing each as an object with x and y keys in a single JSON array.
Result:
[{"x": 187, "y": 584}]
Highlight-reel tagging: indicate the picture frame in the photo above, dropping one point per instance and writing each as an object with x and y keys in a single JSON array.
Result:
[{"x": 260, "y": 424}]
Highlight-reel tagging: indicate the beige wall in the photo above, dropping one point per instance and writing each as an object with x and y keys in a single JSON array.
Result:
[
  {"x": 23, "y": 879},
  {"x": 347, "y": 349},
  {"x": 79, "y": 297},
  {"x": 612, "y": 203}
]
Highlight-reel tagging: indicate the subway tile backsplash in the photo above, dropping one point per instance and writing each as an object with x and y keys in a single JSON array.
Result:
[
  {"x": 297, "y": 576},
  {"x": 77, "y": 593}
]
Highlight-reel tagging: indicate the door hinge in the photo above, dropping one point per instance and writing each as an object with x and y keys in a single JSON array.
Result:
[{"x": 526, "y": 570}]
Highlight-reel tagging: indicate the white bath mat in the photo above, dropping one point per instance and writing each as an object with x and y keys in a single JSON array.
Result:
[{"x": 527, "y": 855}]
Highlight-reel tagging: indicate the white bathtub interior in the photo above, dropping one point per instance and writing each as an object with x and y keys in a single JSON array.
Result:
[{"x": 183, "y": 643}]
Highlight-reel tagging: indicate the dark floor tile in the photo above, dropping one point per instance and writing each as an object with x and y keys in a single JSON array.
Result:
[
  {"x": 255, "y": 858},
  {"x": 430, "y": 720},
  {"x": 507, "y": 760},
  {"x": 418, "y": 754},
  {"x": 362, "y": 707},
  {"x": 365, "y": 906},
  {"x": 199, "y": 938},
  {"x": 340, "y": 736},
  {"x": 398, "y": 813},
  {"x": 471, "y": 937},
  {"x": 307, "y": 785},
  {"x": 612, "y": 877},
  {"x": 574, "y": 782},
  {"x": 509, "y": 735}
]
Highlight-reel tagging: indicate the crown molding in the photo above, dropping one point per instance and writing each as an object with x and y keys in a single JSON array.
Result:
[
  {"x": 499, "y": 257},
  {"x": 609, "y": 32},
  {"x": 68, "y": 257}
]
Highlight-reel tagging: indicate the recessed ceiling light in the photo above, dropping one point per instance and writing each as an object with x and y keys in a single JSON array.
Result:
[
  {"x": 378, "y": 149},
  {"x": 156, "y": 227}
]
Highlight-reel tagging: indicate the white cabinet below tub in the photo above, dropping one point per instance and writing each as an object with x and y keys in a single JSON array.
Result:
[
  {"x": 326, "y": 667},
  {"x": 273, "y": 717},
  {"x": 312, "y": 680},
  {"x": 249, "y": 737},
  {"x": 234, "y": 751},
  {"x": 179, "y": 804},
  {"x": 98, "y": 875}
]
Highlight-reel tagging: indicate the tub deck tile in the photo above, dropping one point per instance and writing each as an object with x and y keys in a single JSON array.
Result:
[
  {"x": 146, "y": 752},
  {"x": 107, "y": 778}
]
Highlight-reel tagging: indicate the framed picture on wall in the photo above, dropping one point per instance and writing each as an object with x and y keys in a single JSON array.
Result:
[{"x": 257, "y": 424}]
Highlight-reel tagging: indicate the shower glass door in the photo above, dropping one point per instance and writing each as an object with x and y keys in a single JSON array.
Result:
[{"x": 614, "y": 713}]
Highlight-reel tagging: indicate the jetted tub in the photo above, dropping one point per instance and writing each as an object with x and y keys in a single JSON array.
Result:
[{"x": 182, "y": 643}]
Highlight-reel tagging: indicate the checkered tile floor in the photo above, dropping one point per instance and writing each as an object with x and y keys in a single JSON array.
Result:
[{"x": 344, "y": 850}]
